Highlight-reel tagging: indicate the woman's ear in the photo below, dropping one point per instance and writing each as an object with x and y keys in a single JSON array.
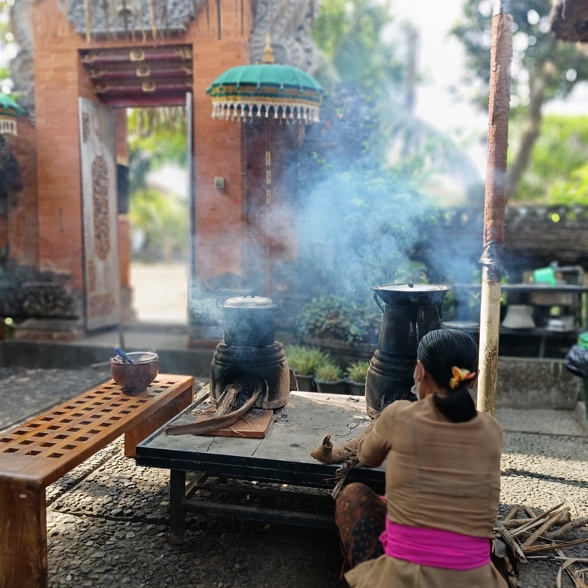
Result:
[
  {"x": 419, "y": 372},
  {"x": 474, "y": 381}
]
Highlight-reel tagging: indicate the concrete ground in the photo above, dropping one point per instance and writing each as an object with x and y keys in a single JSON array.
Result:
[{"x": 108, "y": 518}]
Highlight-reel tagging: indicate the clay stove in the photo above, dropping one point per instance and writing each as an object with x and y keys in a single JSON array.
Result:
[
  {"x": 248, "y": 349},
  {"x": 410, "y": 311}
]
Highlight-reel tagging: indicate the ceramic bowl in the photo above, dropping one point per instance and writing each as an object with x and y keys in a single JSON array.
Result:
[{"x": 135, "y": 377}]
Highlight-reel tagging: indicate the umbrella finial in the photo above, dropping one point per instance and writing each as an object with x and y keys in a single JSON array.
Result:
[{"x": 268, "y": 54}]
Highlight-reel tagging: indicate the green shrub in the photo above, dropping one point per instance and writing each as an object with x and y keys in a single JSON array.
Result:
[
  {"x": 329, "y": 372},
  {"x": 305, "y": 360},
  {"x": 332, "y": 317},
  {"x": 357, "y": 371}
]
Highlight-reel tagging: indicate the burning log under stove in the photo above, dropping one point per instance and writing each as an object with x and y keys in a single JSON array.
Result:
[{"x": 236, "y": 400}]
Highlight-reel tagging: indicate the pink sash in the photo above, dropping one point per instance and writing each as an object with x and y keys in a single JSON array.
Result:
[{"x": 434, "y": 547}]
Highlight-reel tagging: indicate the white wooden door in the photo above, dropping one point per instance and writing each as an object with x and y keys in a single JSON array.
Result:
[{"x": 100, "y": 214}]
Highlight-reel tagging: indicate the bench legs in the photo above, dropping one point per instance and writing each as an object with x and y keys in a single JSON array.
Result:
[
  {"x": 23, "y": 534},
  {"x": 151, "y": 423},
  {"x": 177, "y": 516}
]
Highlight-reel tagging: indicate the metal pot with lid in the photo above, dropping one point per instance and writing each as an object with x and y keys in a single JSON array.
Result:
[{"x": 248, "y": 321}]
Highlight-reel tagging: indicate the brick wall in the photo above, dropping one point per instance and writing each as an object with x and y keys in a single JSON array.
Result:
[
  {"x": 60, "y": 80},
  {"x": 21, "y": 224}
]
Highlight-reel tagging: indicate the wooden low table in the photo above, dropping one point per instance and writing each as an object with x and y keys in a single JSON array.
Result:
[
  {"x": 44, "y": 448},
  {"x": 282, "y": 456}
]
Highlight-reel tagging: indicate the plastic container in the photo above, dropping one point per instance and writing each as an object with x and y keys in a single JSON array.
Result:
[
  {"x": 545, "y": 275},
  {"x": 583, "y": 340}
]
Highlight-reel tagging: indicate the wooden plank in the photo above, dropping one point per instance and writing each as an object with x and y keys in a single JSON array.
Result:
[
  {"x": 152, "y": 422},
  {"x": 51, "y": 444},
  {"x": 297, "y": 429},
  {"x": 254, "y": 425}
]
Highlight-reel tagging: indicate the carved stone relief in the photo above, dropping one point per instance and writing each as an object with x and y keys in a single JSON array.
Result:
[
  {"x": 135, "y": 17},
  {"x": 288, "y": 24},
  {"x": 101, "y": 209}
]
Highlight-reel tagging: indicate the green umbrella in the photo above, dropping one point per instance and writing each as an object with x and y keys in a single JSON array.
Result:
[
  {"x": 266, "y": 90},
  {"x": 9, "y": 110}
]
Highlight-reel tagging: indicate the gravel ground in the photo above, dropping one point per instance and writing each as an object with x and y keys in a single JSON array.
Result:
[{"x": 107, "y": 519}]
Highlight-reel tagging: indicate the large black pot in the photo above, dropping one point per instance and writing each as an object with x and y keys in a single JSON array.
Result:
[
  {"x": 248, "y": 321},
  {"x": 410, "y": 311}
]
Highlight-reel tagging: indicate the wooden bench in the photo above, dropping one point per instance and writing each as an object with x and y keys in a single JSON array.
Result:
[{"x": 44, "y": 448}]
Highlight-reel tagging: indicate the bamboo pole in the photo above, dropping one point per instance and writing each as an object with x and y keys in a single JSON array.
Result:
[{"x": 494, "y": 202}]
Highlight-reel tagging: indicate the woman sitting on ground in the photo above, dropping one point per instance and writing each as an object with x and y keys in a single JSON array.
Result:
[{"x": 442, "y": 481}]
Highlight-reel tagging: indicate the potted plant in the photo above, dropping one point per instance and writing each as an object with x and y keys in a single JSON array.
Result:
[
  {"x": 356, "y": 375},
  {"x": 304, "y": 361},
  {"x": 333, "y": 318},
  {"x": 329, "y": 378}
]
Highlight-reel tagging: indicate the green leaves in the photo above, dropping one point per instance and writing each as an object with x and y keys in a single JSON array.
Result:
[
  {"x": 332, "y": 317},
  {"x": 543, "y": 69},
  {"x": 558, "y": 173},
  {"x": 351, "y": 34}
]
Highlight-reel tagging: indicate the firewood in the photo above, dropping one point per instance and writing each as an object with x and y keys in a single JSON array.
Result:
[
  {"x": 218, "y": 422},
  {"x": 510, "y": 540},
  {"x": 512, "y": 513},
  {"x": 515, "y": 523},
  {"x": 540, "y": 548},
  {"x": 227, "y": 399},
  {"x": 538, "y": 520},
  {"x": 546, "y": 525},
  {"x": 565, "y": 566},
  {"x": 566, "y": 528},
  {"x": 341, "y": 475}
]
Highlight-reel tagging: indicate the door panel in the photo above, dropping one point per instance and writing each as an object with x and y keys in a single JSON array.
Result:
[{"x": 99, "y": 210}]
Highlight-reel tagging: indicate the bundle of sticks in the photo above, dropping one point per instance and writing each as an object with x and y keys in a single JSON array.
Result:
[
  {"x": 517, "y": 538},
  {"x": 235, "y": 401}
]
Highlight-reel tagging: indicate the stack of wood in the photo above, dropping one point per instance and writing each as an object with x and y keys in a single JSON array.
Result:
[
  {"x": 524, "y": 533},
  {"x": 237, "y": 399}
]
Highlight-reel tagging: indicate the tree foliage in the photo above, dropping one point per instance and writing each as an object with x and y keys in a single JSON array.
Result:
[
  {"x": 5, "y": 38},
  {"x": 543, "y": 69},
  {"x": 161, "y": 223},
  {"x": 369, "y": 54},
  {"x": 157, "y": 137},
  {"x": 351, "y": 35},
  {"x": 363, "y": 209},
  {"x": 159, "y": 132},
  {"x": 557, "y": 171}
]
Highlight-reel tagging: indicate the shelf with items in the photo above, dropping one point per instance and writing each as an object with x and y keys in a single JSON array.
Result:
[
  {"x": 542, "y": 298},
  {"x": 558, "y": 312}
]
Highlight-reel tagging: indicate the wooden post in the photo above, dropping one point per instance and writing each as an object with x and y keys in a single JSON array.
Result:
[{"x": 494, "y": 202}]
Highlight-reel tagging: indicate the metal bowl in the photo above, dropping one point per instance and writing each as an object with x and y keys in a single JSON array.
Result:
[{"x": 135, "y": 377}]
